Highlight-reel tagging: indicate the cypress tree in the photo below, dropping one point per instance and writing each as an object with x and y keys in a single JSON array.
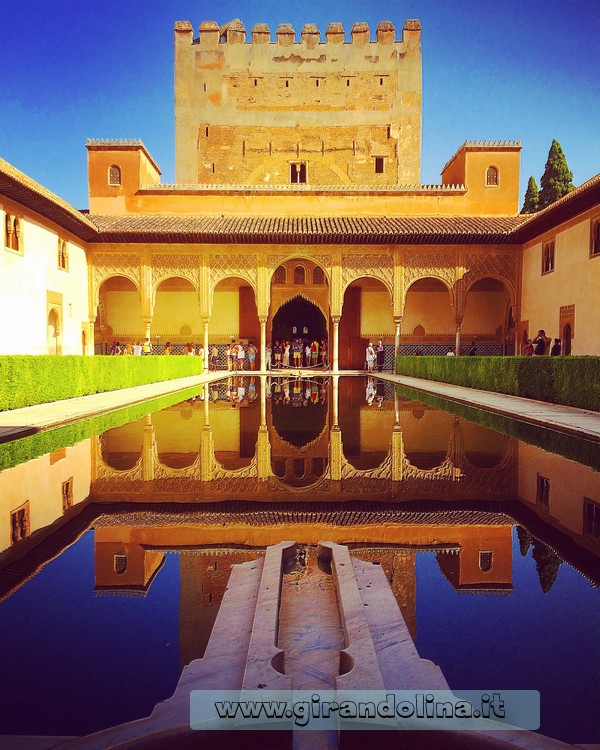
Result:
[
  {"x": 532, "y": 197},
  {"x": 557, "y": 179}
]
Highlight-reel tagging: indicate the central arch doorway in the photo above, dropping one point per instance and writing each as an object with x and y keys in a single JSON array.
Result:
[{"x": 298, "y": 318}]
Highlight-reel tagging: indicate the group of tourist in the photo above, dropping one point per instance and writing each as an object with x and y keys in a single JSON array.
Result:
[
  {"x": 541, "y": 345},
  {"x": 297, "y": 353},
  {"x": 134, "y": 348},
  {"x": 236, "y": 355},
  {"x": 298, "y": 392},
  {"x": 374, "y": 355}
]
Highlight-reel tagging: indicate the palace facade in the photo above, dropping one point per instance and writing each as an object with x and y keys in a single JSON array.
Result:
[{"x": 298, "y": 204}]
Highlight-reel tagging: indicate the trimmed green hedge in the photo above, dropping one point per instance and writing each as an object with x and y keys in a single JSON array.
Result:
[
  {"x": 572, "y": 381},
  {"x": 571, "y": 447},
  {"x": 24, "y": 449},
  {"x": 39, "y": 379}
]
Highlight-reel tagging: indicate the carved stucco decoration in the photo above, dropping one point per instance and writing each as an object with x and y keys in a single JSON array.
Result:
[
  {"x": 498, "y": 265},
  {"x": 380, "y": 267},
  {"x": 422, "y": 265},
  {"x": 169, "y": 265},
  {"x": 383, "y": 471},
  {"x": 228, "y": 266},
  {"x": 246, "y": 472},
  {"x": 106, "y": 265}
]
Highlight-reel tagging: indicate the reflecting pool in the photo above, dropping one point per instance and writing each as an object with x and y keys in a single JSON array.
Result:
[{"x": 116, "y": 550}]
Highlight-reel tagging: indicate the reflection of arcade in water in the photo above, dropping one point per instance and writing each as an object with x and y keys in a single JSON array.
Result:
[{"x": 310, "y": 436}]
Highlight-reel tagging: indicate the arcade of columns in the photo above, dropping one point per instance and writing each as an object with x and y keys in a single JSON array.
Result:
[
  {"x": 395, "y": 470},
  {"x": 457, "y": 267}
]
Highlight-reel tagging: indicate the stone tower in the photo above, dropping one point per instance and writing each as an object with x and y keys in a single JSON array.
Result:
[{"x": 285, "y": 111}]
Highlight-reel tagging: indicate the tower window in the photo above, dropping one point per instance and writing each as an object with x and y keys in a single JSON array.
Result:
[
  {"x": 347, "y": 82},
  {"x": 379, "y": 165},
  {"x": 485, "y": 561},
  {"x": 120, "y": 563},
  {"x": 298, "y": 172},
  {"x": 114, "y": 175},
  {"x": 318, "y": 275},
  {"x": 299, "y": 275},
  {"x": 492, "y": 177},
  {"x": 287, "y": 83},
  {"x": 279, "y": 275},
  {"x": 204, "y": 87}
]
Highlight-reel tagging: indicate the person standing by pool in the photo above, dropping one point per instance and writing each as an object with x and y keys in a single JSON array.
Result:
[
  {"x": 370, "y": 356},
  {"x": 251, "y": 355},
  {"x": 380, "y": 352}
]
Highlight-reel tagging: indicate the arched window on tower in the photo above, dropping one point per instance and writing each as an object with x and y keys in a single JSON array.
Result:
[
  {"x": 279, "y": 275},
  {"x": 492, "y": 177},
  {"x": 114, "y": 175},
  {"x": 318, "y": 275},
  {"x": 299, "y": 275}
]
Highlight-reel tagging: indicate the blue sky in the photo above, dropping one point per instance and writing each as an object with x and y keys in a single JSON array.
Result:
[{"x": 491, "y": 70}]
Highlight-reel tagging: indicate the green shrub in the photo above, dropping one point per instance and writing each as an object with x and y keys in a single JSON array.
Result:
[
  {"x": 26, "y": 380},
  {"x": 572, "y": 381}
]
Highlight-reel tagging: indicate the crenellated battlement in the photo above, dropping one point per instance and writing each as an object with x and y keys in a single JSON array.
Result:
[
  {"x": 211, "y": 35},
  {"x": 276, "y": 106}
]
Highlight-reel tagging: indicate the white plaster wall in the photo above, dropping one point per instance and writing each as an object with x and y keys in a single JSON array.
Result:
[
  {"x": 40, "y": 482},
  {"x": 24, "y": 282},
  {"x": 575, "y": 281}
]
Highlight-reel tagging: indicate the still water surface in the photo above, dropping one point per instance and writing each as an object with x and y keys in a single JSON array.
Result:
[{"x": 119, "y": 548}]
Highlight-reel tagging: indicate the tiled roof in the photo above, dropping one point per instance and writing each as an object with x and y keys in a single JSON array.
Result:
[
  {"x": 22, "y": 189},
  {"x": 583, "y": 197},
  {"x": 307, "y": 230}
]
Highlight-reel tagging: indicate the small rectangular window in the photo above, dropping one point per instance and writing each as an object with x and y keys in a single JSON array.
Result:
[
  {"x": 256, "y": 81},
  {"x": 542, "y": 496},
  {"x": 379, "y": 165},
  {"x": 12, "y": 233},
  {"x": 287, "y": 83},
  {"x": 204, "y": 87},
  {"x": 591, "y": 518},
  {"x": 317, "y": 82},
  {"x": 347, "y": 81},
  {"x": 63, "y": 255},
  {"x": 67, "y": 494},
  {"x": 595, "y": 239},
  {"x": 19, "y": 523},
  {"x": 548, "y": 252}
]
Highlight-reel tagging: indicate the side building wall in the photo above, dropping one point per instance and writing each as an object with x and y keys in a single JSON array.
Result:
[
  {"x": 43, "y": 286},
  {"x": 561, "y": 278}
]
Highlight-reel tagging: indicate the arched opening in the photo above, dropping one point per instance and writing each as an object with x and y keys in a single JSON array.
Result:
[
  {"x": 122, "y": 446},
  {"x": 119, "y": 315},
  {"x": 299, "y": 318},
  {"x": 427, "y": 440},
  {"x": 367, "y": 315},
  {"x": 235, "y": 421},
  {"x": 566, "y": 339},
  {"x": 176, "y": 317},
  {"x": 484, "y": 449},
  {"x": 53, "y": 332},
  {"x": 488, "y": 318},
  {"x": 428, "y": 325},
  {"x": 83, "y": 342},
  {"x": 366, "y": 419},
  {"x": 177, "y": 431},
  {"x": 234, "y": 318}
]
